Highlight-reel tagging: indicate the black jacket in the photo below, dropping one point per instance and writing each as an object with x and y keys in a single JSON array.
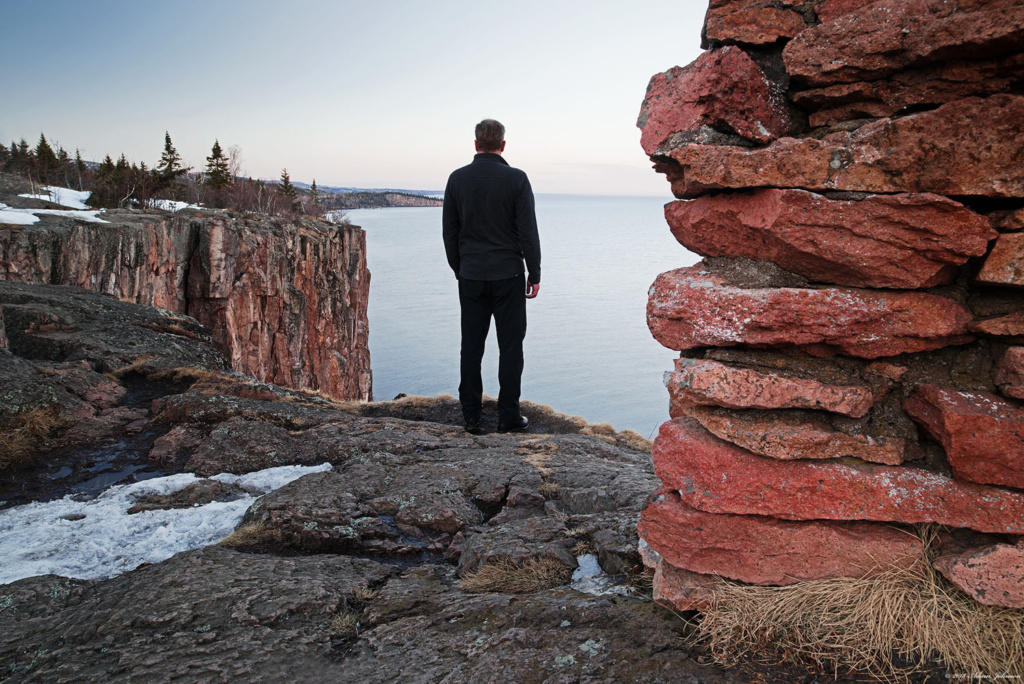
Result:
[{"x": 489, "y": 222}]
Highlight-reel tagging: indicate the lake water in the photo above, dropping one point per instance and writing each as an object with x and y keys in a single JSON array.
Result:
[{"x": 588, "y": 351}]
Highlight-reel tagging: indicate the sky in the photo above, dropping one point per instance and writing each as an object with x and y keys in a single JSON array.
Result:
[{"x": 355, "y": 94}]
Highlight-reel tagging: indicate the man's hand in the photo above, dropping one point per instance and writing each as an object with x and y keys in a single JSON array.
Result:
[{"x": 532, "y": 289}]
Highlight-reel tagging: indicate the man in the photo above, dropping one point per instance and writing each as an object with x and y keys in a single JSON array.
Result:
[{"x": 490, "y": 228}]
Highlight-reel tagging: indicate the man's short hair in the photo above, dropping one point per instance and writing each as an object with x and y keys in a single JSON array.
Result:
[{"x": 489, "y": 135}]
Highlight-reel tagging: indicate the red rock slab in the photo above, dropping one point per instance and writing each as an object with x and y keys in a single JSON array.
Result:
[
  {"x": 681, "y": 589},
  {"x": 717, "y": 477},
  {"x": 982, "y": 433},
  {"x": 1009, "y": 375},
  {"x": 766, "y": 551},
  {"x": 691, "y": 307},
  {"x": 754, "y": 22},
  {"x": 703, "y": 382},
  {"x": 829, "y": 10},
  {"x": 893, "y": 35},
  {"x": 723, "y": 89},
  {"x": 928, "y": 86},
  {"x": 993, "y": 575},
  {"x": 1009, "y": 328},
  {"x": 893, "y": 241},
  {"x": 1005, "y": 264},
  {"x": 787, "y": 440},
  {"x": 968, "y": 147}
]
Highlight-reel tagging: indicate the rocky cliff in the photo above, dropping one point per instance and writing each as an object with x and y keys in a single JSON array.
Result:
[
  {"x": 850, "y": 361},
  {"x": 286, "y": 300}
]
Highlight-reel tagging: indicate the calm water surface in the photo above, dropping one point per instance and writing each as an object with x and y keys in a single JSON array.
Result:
[{"x": 588, "y": 350}]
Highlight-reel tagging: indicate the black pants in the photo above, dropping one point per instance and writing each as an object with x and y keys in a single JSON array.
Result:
[{"x": 506, "y": 301}]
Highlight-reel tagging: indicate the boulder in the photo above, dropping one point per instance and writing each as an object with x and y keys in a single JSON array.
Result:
[
  {"x": 681, "y": 589},
  {"x": 1008, "y": 328},
  {"x": 780, "y": 437},
  {"x": 717, "y": 477},
  {"x": 693, "y": 307},
  {"x": 829, "y": 10},
  {"x": 1005, "y": 264},
  {"x": 751, "y": 21},
  {"x": 723, "y": 89},
  {"x": 889, "y": 241},
  {"x": 966, "y": 147},
  {"x": 983, "y": 434},
  {"x": 1009, "y": 374},
  {"x": 893, "y": 35},
  {"x": 926, "y": 87},
  {"x": 703, "y": 382},
  {"x": 767, "y": 551},
  {"x": 993, "y": 575}
]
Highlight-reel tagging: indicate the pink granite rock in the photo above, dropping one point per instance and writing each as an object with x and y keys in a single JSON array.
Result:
[
  {"x": 895, "y": 241},
  {"x": 723, "y": 89},
  {"x": 892, "y": 35},
  {"x": 692, "y": 307},
  {"x": 754, "y": 22},
  {"x": 681, "y": 589},
  {"x": 717, "y": 477},
  {"x": 1005, "y": 264},
  {"x": 766, "y": 551},
  {"x": 776, "y": 437},
  {"x": 966, "y": 147},
  {"x": 983, "y": 434},
  {"x": 703, "y": 382},
  {"x": 1008, "y": 328},
  {"x": 1009, "y": 374},
  {"x": 928, "y": 86},
  {"x": 992, "y": 575}
]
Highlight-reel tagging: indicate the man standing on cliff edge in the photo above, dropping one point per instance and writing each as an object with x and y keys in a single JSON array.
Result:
[{"x": 490, "y": 228}]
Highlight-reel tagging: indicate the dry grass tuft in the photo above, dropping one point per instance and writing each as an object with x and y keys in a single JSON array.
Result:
[
  {"x": 23, "y": 434},
  {"x": 505, "y": 576},
  {"x": 584, "y": 548},
  {"x": 346, "y": 625},
  {"x": 863, "y": 625},
  {"x": 364, "y": 594},
  {"x": 252, "y": 534},
  {"x": 189, "y": 375},
  {"x": 641, "y": 579},
  {"x": 137, "y": 366},
  {"x": 549, "y": 490}
]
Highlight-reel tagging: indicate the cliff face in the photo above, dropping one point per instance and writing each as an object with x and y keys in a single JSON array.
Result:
[
  {"x": 287, "y": 301},
  {"x": 850, "y": 353}
]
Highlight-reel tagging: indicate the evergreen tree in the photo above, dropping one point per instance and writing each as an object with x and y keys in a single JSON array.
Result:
[
  {"x": 288, "y": 190},
  {"x": 46, "y": 163},
  {"x": 217, "y": 174},
  {"x": 5, "y": 156},
  {"x": 314, "y": 193},
  {"x": 169, "y": 168}
]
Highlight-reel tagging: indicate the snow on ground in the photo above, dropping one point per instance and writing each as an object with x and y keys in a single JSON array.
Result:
[
  {"x": 26, "y": 217},
  {"x": 41, "y": 538},
  {"x": 66, "y": 197},
  {"x": 171, "y": 205},
  {"x": 16, "y": 217},
  {"x": 589, "y": 578}
]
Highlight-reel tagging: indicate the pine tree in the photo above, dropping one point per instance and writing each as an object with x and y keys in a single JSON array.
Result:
[
  {"x": 46, "y": 164},
  {"x": 217, "y": 174},
  {"x": 314, "y": 193},
  {"x": 288, "y": 190},
  {"x": 169, "y": 168}
]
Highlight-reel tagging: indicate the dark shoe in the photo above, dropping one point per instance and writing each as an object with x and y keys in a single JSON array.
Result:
[
  {"x": 518, "y": 426},
  {"x": 473, "y": 427}
]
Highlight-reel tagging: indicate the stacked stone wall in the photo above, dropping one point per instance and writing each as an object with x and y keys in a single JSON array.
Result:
[{"x": 852, "y": 344}]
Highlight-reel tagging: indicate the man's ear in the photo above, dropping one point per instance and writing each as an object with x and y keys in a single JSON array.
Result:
[
  {"x": 502, "y": 147},
  {"x": 476, "y": 146}
]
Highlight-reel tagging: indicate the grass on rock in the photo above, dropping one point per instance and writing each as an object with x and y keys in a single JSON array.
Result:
[{"x": 505, "y": 576}]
